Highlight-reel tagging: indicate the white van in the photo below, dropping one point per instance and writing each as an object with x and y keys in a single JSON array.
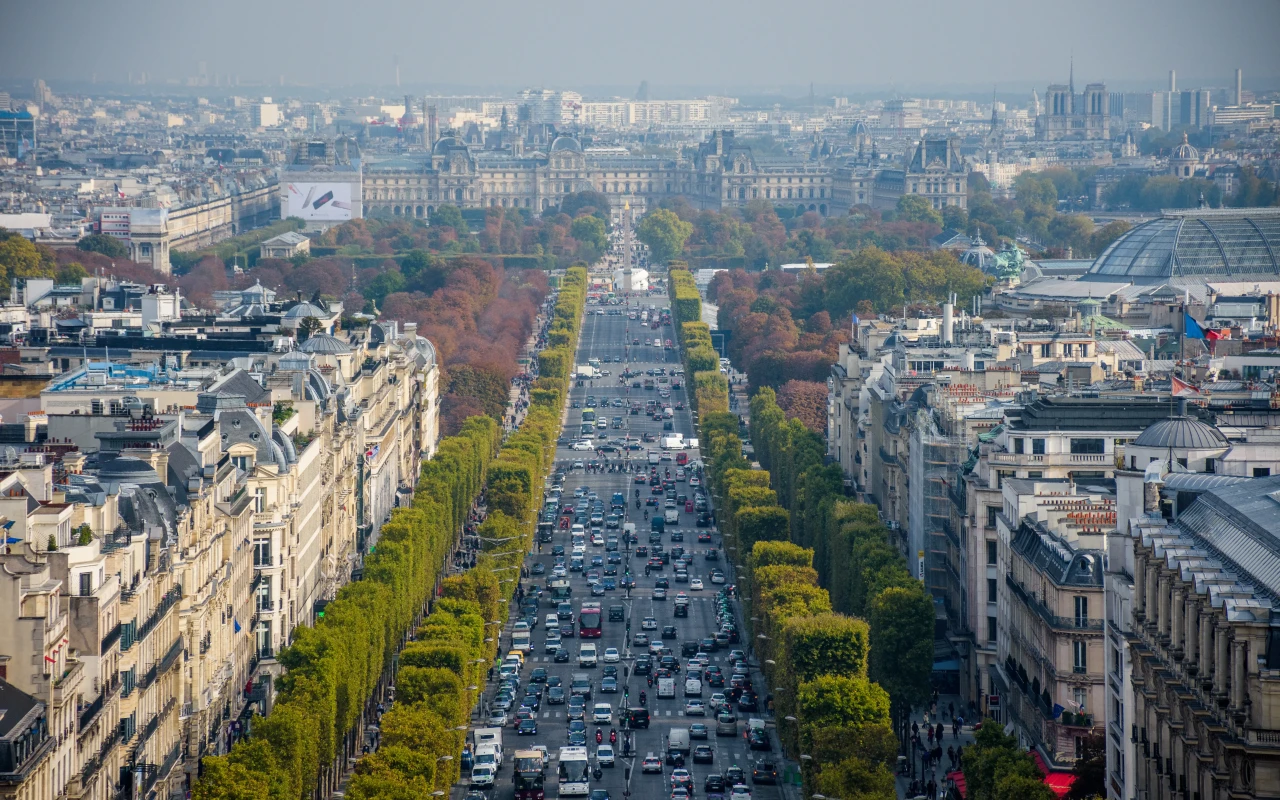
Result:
[
  {"x": 693, "y": 687},
  {"x": 587, "y": 655},
  {"x": 553, "y": 622},
  {"x": 670, "y": 516}
]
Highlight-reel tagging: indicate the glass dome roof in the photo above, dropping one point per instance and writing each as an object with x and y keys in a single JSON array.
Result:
[{"x": 1221, "y": 244}]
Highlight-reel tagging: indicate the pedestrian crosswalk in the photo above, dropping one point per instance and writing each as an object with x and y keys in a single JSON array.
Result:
[{"x": 656, "y": 712}]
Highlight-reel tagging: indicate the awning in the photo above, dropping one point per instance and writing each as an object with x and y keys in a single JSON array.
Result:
[
  {"x": 950, "y": 665},
  {"x": 959, "y": 788},
  {"x": 1058, "y": 780}
]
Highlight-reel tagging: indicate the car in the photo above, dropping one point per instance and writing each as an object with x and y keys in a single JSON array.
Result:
[
  {"x": 659, "y": 593},
  {"x": 555, "y": 695},
  {"x": 739, "y": 792},
  {"x": 758, "y": 740},
  {"x": 649, "y": 624},
  {"x": 578, "y": 739},
  {"x": 726, "y": 724},
  {"x": 655, "y": 647},
  {"x": 681, "y": 777},
  {"x": 604, "y": 755},
  {"x": 497, "y": 719},
  {"x": 482, "y": 776},
  {"x": 748, "y": 702},
  {"x": 698, "y": 731},
  {"x": 695, "y": 708},
  {"x": 602, "y": 714},
  {"x": 539, "y": 675},
  {"x": 718, "y": 702},
  {"x": 577, "y": 726},
  {"x": 644, "y": 665},
  {"x": 597, "y": 590},
  {"x": 559, "y": 571},
  {"x": 764, "y": 772},
  {"x": 651, "y": 764},
  {"x": 611, "y": 655},
  {"x": 553, "y": 642},
  {"x": 539, "y": 568},
  {"x": 599, "y": 794},
  {"x": 714, "y": 783},
  {"x": 531, "y": 701},
  {"x": 562, "y": 655},
  {"x": 527, "y": 727},
  {"x": 695, "y": 585},
  {"x": 703, "y": 754},
  {"x": 717, "y": 577},
  {"x": 609, "y": 684},
  {"x": 640, "y": 640}
]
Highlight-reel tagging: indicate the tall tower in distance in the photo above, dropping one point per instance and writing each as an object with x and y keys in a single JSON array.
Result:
[
  {"x": 1239, "y": 97},
  {"x": 1173, "y": 80}
]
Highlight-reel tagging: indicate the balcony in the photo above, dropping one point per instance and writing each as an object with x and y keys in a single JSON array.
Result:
[
  {"x": 90, "y": 712},
  {"x": 162, "y": 666},
  {"x": 110, "y": 639},
  {"x": 889, "y": 459},
  {"x": 1051, "y": 459},
  {"x": 167, "y": 602},
  {"x": 1054, "y": 621},
  {"x": 67, "y": 685}
]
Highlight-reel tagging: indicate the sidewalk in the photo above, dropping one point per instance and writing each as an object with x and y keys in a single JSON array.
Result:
[{"x": 938, "y": 771}]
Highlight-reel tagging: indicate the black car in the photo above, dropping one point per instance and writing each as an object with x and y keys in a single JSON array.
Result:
[
  {"x": 527, "y": 727},
  {"x": 644, "y": 665},
  {"x": 555, "y": 695},
  {"x": 662, "y": 583},
  {"x": 689, "y": 648},
  {"x": 748, "y": 702},
  {"x": 539, "y": 675},
  {"x": 704, "y": 520},
  {"x": 669, "y": 633},
  {"x": 764, "y": 772},
  {"x": 714, "y": 783},
  {"x": 758, "y": 740},
  {"x": 562, "y": 655},
  {"x": 532, "y": 700},
  {"x": 734, "y": 775},
  {"x": 702, "y": 754}
]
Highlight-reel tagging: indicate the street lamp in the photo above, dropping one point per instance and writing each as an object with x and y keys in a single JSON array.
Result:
[
  {"x": 770, "y": 662},
  {"x": 806, "y": 757},
  {"x": 790, "y": 718},
  {"x": 445, "y": 758}
]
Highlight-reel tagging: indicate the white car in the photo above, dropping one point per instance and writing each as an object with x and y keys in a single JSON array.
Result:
[
  {"x": 695, "y": 585},
  {"x": 717, "y": 701},
  {"x": 740, "y": 792},
  {"x": 604, "y": 755},
  {"x": 655, "y": 647},
  {"x": 597, "y": 540},
  {"x": 558, "y": 571},
  {"x": 695, "y": 708},
  {"x": 602, "y": 713},
  {"x": 482, "y": 776},
  {"x": 584, "y": 444},
  {"x": 611, "y": 655}
]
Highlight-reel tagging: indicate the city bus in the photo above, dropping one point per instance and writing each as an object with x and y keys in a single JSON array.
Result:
[
  {"x": 574, "y": 772},
  {"x": 589, "y": 621}
]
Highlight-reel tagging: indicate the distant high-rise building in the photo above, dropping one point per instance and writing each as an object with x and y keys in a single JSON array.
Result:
[
  {"x": 643, "y": 93},
  {"x": 1239, "y": 88},
  {"x": 265, "y": 115},
  {"x": 1173, "y": 80},
  {"x": 17, "y": 133}
]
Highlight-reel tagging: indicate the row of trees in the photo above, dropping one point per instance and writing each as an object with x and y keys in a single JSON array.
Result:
[
  {"x": 710, "y": 389},
  {"x": 333, "y": 668},
  {"x": 815, "y": 659}
]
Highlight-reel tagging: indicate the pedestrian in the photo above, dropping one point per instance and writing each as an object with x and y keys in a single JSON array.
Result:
[
  {"x": 951, "y": 756},
  {"x": 940, "y": 732},
  {"x": 951, "y": 708},
  {"x": 955, "y": 728},
  {"x": 915, "y": 730},
  {"x": 929, "y": 728},
  {"x": 931, "y": 789}
]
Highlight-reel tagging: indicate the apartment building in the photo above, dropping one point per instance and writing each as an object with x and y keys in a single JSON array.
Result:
[{"x": 162, "y": 549}]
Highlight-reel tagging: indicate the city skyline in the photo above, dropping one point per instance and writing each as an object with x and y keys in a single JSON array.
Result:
[{"x": 713, "y": 47}]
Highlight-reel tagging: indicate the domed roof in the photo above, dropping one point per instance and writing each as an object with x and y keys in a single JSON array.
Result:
[
  {"x": 1181, "y": 433},
  {"x": 1206, "y": 244},
  {"x": 1185, "y": 152},
  {"x": 129, "y": 469},
  {"x": 446, "y": 143},
  {"x": 305, "y": 309},
  {"x": 566, "y": 143},
  {"x": 324, "y": 344}
]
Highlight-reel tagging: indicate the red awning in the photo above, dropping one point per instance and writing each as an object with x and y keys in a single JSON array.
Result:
[
  {"x": 1058, "y": 780},
  {"x": 957, "y": 778}
]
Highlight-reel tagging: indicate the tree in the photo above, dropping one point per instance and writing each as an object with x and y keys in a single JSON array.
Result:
[
  {"x": 664, "y": 234},
  {"x": 914, "y": 208},
  {"x": 955, "y": 218},
  {"x": 588, "y": 202},
  {"x": 308, "y": 327},
  {"x": 71, "y": 274},
  {"x": 992, "y": 760},
  {"x": 1090, "y": 769},
  {"x": 1104, "y": 236},
  {"x": 805, "y": 401},
  {"x": 20, "y": 259},
  {"x": 450, "y": 216},
  {"x": 109, "y": 246},
  {"x": 589, "y": 230},
  {"x": 901, "y": 620}
]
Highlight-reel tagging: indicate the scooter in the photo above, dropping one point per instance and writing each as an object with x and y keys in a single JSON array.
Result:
[{"x": 599, "y": 735}]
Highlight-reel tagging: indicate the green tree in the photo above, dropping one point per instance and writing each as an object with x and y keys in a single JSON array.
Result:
[
  {"x": 1104, "y": 236},
  {"x": 901, "y": 620},
  {"x": 108, "y": 246},
  {"x": 450, "y": 216},
  {"x": 664, "y": 234},
  {"x": 1071, "y": 230},
  {"x": 955, "y": 218},
  {"x": 589, "y": 230},
  {"x": 389, "y": 281},
  {"x": 1090, "y": 770},
  {"x": 307, "y": 328},
  {"x": 857, "y": 778},
  {"x": 20, "y": 259},
  {"x": 71, "y": 274},
  {"x": 991, "y": 760},
  {"x": 589, "y": 202},
  {"x": 914, "y": 208}
]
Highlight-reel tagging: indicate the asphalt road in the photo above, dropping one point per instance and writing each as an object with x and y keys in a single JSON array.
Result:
[{"x": 608, "y": 337}]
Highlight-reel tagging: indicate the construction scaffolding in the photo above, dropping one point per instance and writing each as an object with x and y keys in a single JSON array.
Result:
[{"x": 936, "y": 525}]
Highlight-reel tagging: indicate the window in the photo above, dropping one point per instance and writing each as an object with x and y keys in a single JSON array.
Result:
[
  {"x": 992, "y": 550},
  {"x": 1082, "y": 611},
  {"x": 1261, "y": 472},
  {"x": 1045, "y": 351},
  {"x": 1088, "y": 446},
  {"x": 1035, "y": 473},
  {"x": 992, "y": 513},
  {"x": 264, "y": 595},
  {"x": 86, "y": 584},
  {"x": 1080, "y": 656},
  {"x": 1017, "y": 445},
  {"x": 262, "y": 553},
  {"x": 260, "y": 500},
  {"x": 991, "y": 590},
  {"x": 1037, "y": 447},
  {"x": 991, "y": 629},
  {"x": 1080, "y": 696}
]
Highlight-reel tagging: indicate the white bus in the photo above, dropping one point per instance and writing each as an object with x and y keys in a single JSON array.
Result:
[{"x": 574, "y": 772}]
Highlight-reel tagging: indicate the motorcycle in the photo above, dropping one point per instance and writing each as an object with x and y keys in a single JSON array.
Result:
[
  {"x": 613, "y": 736},
  {"x": 599, "y": 735},
  {"x": 642, "y": 698}
]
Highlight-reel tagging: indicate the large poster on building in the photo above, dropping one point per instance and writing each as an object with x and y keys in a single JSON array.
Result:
[{"x": 319, "y": 201}]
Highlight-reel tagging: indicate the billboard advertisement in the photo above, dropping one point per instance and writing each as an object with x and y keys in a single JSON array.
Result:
[{"x": 329, "y": 202}]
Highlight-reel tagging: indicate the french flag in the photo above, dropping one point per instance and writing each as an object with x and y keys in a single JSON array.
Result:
[{"x": 119, "y": 192}]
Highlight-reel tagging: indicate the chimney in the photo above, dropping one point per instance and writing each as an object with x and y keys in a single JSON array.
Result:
[
  {"x": 160, "y": 463},
  {"x": 948, "y": 323}
]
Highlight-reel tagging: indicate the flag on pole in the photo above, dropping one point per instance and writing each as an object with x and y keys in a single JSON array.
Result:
[
  {"x": 119, "y": 191},
  {"x": 1181, "y": 388},
  {"x": 1191, "y": 328}
]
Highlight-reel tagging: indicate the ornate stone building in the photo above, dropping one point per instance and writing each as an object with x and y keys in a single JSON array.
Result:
[
  {"x": 1071, "y": 117},
  {"x": 722, "y": 174}
]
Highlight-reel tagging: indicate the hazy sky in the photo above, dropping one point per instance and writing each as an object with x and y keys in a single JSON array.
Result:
[{"x": 882, "y": 45}]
